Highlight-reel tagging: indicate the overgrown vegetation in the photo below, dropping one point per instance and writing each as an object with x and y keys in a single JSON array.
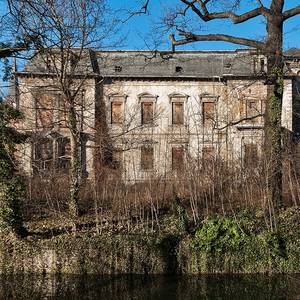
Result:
[{"x": 12, "y": 190}]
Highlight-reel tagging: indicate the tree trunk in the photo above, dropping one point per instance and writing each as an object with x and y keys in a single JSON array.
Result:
[
  {"x": 273, "y": 132},
  {"x": 75, "y": 171}
]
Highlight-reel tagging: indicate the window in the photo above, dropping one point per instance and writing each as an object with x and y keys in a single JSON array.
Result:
[
  {"x": 116, "y": 112},
  {"x": 44, "y": 110},
  {"x": 147, "y": 158},
  {"x": 250, "y": 155},
  {"x": 177, "y": 113},
  {"x": 252, "y": 109},
  {"x": 43, "y": 155},
  {"x": 118, "y": 69},
  {"x": 177, "y": 158},
  {"x": 147, "y": 112},
  {"x": 64, "y": 153},
  {"x": 262, "y": 65},
  {"x": 117, "y": 158},
  {"x": 208, "y": 153},
  {"x": 208, "y": 113},
  {"x": 178, "y": 69}
]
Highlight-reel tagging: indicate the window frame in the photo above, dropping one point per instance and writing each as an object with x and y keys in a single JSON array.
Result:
[
  {"x": 147, "y": 98},
  {"x": 178, "y": 148},
  {"x": 178, "y": 98},
  {"x": 117, "y": 98},
  {"x": 142, "y": 162},
  {"x": 207, "y": 98}
]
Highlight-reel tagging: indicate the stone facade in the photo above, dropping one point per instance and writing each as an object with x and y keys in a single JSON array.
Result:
[{"x": 154, "y": 114}]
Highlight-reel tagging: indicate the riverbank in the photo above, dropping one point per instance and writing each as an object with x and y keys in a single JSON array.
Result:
[{"x": 240, "y": 243}]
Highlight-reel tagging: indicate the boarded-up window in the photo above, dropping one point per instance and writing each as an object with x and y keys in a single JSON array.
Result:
[
  {"x": 208, "y": 111},
  {"x": 43, "y": 155},
  {"x": 116, "y": 112},
  {"x": 64, "y": 153},
  {"x": 147, "y": 158},
  {"x": 177, "y": 158},
  {"x": 177, "y": 113},
  {"x": 250, "y": 155},
  {"x": 44, "y": 110},
  {"x": 252, "y": 109},
  {"x": 208, "y": 153},
  {"x": 147, "y": 112}
]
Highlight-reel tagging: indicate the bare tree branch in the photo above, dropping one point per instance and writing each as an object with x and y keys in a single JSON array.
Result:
[
  {"x": 190, "y": 37},
  {"x": 206, "y": 16},
  {"x": 291, "y": 12}
]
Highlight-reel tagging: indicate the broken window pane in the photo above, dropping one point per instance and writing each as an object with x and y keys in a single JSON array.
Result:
[
  {"x": 177, "y": 158},
  {"x": 208, "y": 113},
  {"x": 147, "y": 158},
  {"x": 64, "y": 153},
  {"x": 43, "y": 155},
  {"x": 177, "y": 113},
  {"x": 147, "y": 112},
  {"x": 116, "y": 112}
]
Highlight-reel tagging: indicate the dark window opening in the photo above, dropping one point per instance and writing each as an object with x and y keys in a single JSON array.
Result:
[
  {"x": 178, "y": 69},
  {"x": 262, "y": 65},
  {"x": 43, "y": 155},
  {"x": 117, "y": 158},
  {"x": 118, "y": 69},
  {"x": 64, "y": 154}
]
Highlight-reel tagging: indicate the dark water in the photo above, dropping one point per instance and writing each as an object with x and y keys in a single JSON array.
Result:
[{"x": 150, "y": 287}]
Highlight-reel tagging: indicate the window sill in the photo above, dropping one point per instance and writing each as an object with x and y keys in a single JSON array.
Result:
[{"x": 249, "y": 126}]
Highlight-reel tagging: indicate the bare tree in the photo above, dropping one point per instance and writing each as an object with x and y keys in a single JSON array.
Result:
[
  {"x": 67, "y": 29},
  {"x": 272, "y": 47}
]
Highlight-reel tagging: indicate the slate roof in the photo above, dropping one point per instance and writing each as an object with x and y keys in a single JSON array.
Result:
[
  {"x": 163, "y": 64},
  {"x": 179, "y": 64}
]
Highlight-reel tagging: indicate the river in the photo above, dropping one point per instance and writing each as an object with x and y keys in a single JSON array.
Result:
[{"x": 123, "y": 287}]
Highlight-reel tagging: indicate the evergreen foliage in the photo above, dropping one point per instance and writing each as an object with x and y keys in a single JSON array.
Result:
[{"x": 12, "y": 188}]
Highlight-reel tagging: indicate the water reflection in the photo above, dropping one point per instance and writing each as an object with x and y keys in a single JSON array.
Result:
[{"x": 150, "y": 287}]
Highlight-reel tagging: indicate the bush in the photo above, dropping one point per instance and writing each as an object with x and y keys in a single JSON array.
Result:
[{"x": 218, "y": 235}]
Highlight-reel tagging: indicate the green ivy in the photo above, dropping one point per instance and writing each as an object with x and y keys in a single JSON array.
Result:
[{"x": 219, "y": 235}]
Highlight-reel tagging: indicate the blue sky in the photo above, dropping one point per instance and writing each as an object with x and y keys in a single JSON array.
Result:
[
  {"x": 144, "y": 32},
  {"x": 141, "y": 35}
]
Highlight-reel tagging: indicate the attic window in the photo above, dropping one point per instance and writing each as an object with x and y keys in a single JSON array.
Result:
[
  {"x": 178, "y": 69},
  {"x": 118, "y": 69},
  {"x": 227, "y": 65}
]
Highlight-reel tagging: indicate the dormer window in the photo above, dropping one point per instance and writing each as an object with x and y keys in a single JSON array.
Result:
[
  {"x": 118, "y": 69},
  {"x": 178, "y": 69}
]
